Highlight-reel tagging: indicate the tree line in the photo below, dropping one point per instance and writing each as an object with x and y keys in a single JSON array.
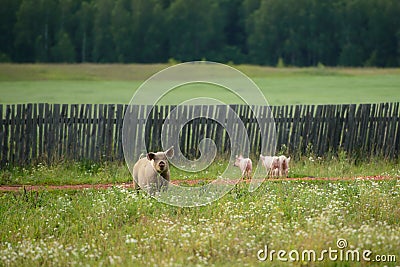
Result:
[{"x": 264, "y": 32}]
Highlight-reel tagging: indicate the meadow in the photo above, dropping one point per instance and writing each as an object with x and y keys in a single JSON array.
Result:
[
  {"x": 115, "y": 84},
  {"x": 121, "y": 227}
]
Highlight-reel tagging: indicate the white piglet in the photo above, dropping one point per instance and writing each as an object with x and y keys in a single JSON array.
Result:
[
  {"x": 267, "y": 163},
  {"x": 245, "y": 165},
  {"x": 284, "y": 166},
  {"x": 275, "y": 166}
]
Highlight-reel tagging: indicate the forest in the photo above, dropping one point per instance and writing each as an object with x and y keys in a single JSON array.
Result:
[{"x": 262, "y": 32}]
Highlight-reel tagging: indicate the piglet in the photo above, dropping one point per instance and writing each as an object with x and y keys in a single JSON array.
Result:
[
  {"x": 284, "y": 166},
  {"x": 245, "y": 166},
  {"x": 267, "y": 163},
  {"x": 275, "y": 167}
]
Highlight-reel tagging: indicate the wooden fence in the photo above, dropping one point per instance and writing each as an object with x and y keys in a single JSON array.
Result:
[{"x": 51, "y": 132}]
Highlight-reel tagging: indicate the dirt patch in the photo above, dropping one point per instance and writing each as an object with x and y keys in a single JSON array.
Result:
[
  {"x": 6, "y": 188},
  {"x": 14, "y": 188}
]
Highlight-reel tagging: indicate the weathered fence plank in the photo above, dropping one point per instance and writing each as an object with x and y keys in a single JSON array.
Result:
[
  {"x": 6, "y": 133},
  {"x": 28, "y": 133},
  {"x": 19, "y": 144},
  {"x": 85, "y": 131},
  {"x": 141, "y": 123},
  {"x": 118, "y": 131},
  {"x": 93, "y": 135},
  {"x": 390, "y": 148},
  {"x": 3, "y": 137}
]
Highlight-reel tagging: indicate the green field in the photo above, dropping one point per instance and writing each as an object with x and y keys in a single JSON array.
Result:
[
  {"x": 117, "y": 227},
  {"x": 91, "y": 83},
  {"x": 121, "y": 227}
]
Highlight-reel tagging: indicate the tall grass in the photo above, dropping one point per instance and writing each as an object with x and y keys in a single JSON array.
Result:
[
  {"x": 124, "y": 228},
  {"x": 87, "y": 172}
]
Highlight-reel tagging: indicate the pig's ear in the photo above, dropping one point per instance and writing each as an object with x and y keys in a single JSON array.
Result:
[
  {"x": 170, "y": 152},
  {"x": 150, "y": 156}
]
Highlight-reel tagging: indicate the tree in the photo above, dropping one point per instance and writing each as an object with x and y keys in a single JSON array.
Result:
[
  {"x": 354, "y": 33},
  {"x": 299, "y": 32},
  {"x": 154, "y": 33},
  {"x": 63, "y": 50},
  {"x": 196, "y": 30},
  {"x": 122, "y": 32},
  {"x": 7, "y": 20},
  {"x": 84, "y": 34},
  {"x": 35, "y": 29},
  {"x": 267, "y": 32},
  {"x": 382, "y": 44},
  {"x": 139, "y": 31},
  {"x": 103, "y": 43}
]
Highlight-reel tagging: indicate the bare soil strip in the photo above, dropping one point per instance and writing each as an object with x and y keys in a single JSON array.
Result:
[{"x": 16, "y": 188}]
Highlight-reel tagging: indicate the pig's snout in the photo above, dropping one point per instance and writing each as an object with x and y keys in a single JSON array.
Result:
[{"x": 162, "y": 165}]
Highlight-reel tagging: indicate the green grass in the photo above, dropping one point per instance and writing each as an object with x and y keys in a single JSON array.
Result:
[
  {"x": 119, "y": 227},
  {"x": 86, "y": 172},
  {"x": 122, "y": 227},
  {"x": 91, "y": 83},
  {"x": 66, "y": 173},
  {"x": 67, "y": 92}
]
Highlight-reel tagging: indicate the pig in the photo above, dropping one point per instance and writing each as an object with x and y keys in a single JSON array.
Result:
[
  {"x": 271, "y": 164},
  {"x": 267, "y": 162},
  {"x": 245, "y": 166},
  {"x": 152, "y": 172},
  {"x": 284, "y": 166},
  {"x": 275, "y": 167}
]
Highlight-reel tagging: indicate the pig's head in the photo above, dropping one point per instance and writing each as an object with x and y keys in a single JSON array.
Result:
[
  {"x": 285, "y": 163},
  {"x": 275, "y": 162},
  {"x": 238, "y": 159},
  {"x": 159, "y": 159}
]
